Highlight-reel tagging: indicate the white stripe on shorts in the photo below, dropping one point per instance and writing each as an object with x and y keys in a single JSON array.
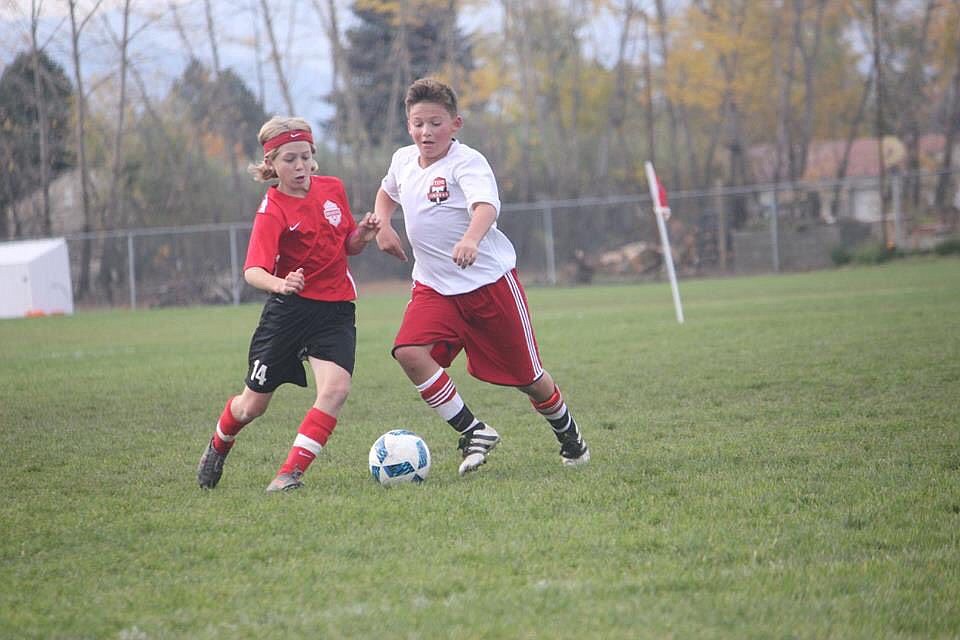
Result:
[{"x": 527, "y": 326}]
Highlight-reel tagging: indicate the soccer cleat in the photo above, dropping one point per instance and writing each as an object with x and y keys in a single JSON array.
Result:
[
  {"x": 286, "y": 481},
  {"x": 210, "y": 468},
  {"x": 573, "y": 450},
  {"x": 475, "y": 444}
]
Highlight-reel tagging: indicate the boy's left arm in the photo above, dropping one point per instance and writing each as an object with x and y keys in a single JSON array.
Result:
[{"x": 465, "y": 251}]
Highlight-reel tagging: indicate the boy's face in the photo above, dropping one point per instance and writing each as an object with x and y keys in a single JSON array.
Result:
[
  {"x": 293, "y": 164},
  {"x": 432, "y": 128}
]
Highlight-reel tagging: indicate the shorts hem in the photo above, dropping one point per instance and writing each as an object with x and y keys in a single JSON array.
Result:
[{"x": 278, "y": 385}]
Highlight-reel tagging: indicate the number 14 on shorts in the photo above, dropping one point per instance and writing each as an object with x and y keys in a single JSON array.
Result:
[{"x": 259, "y": 372}]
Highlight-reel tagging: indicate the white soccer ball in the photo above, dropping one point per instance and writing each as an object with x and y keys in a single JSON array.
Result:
[{"x": 399, "y": 456}]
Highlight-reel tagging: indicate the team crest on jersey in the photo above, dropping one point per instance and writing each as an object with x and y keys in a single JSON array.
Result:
[
  {"x": 331, "y": 212},
  {"x": 438, "y": 191}
]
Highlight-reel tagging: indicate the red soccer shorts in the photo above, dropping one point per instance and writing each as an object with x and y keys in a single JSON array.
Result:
[{"x": 492, "y": 324}]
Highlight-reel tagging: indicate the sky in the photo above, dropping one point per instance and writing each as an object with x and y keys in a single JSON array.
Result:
[{"x": 161, "y": 54}]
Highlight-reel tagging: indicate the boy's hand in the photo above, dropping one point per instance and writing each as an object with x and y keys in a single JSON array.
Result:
[
  {"x": 389, "y": 242},
  {"x": 368, "y": 226},
  {"x": 465, "y": 253},
  {"x": 293, "y": 283}
]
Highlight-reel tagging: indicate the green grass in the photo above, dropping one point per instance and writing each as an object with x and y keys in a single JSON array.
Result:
[{"x": 785, "y": 464}]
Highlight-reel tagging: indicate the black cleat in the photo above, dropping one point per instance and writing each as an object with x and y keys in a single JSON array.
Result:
[
  {"x": 210, "y": 468},
  {"x": 573, "y": 450},
  {"x": 475, "y": 444}
]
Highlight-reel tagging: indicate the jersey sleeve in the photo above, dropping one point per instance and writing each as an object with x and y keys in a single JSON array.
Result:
[
  {"x": 477, "y": 181},
  {"x": 264, "y": 246}
]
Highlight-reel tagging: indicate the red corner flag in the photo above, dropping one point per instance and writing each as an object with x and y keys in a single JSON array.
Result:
[
  {"x": 661, "y": 202},
  {"x": 662, "y": 193}
]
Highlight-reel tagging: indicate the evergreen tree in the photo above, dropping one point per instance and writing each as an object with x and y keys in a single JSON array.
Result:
[
  {"x": 20, "y": 126},
  {"x": 387, "y": 51},
  {"x": 222, "y": 105}
]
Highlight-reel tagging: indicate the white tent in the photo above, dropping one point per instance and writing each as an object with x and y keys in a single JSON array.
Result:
[{"x": 35, "y": 278}]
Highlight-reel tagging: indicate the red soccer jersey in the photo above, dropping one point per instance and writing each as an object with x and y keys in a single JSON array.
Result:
[{"x": 311, "y": 232}]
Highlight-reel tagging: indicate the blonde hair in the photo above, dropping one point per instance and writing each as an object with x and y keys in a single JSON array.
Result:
[{"x": 263, "y": 172}]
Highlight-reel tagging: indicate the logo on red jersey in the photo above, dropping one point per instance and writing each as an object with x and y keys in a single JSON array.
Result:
[
  {"x": 438, "y": 191},
  {"x": 331, "y": 212}
]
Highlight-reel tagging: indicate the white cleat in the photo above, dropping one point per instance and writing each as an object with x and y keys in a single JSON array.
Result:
[
  {"x": 573, "y": 450},
  {"x": 475, "y": 445},
  {"x": 584, "y": 458}
]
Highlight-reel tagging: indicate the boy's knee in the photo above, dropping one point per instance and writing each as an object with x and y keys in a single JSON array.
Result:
[{"x": 250, "y": 412}]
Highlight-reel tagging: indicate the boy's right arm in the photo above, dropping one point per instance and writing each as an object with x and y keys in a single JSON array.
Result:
[
  {"x": 388, "y": 240},
  {"x": 259, "y": 278}
]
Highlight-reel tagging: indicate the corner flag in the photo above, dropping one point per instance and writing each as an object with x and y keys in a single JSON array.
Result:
[{"x": 662, "y": 212}]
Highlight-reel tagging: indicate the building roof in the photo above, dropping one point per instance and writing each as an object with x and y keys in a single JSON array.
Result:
[
  {"x": 24, "y": 251},
  {"x": 824, "y": 157}
]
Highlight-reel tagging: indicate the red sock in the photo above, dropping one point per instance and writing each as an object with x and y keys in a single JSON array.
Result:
[
  {"x": 227, "y": 429},
  {"x": 311, "y": 436}
]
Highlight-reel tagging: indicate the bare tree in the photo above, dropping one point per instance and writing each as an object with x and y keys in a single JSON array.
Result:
[
  {"x": 185, "y": 40},
  {"x": 402, "y": 72},
  {"x": 855, "y": 124},
  {"x": 356, "y": 134},
  {"x": 648, "y": 88},
  {"x": 879, "y": 124},
  {"x": 76, "y": 28},
  {"x": 115, "y": 202},
  {"x": 43, "y": 125},
  {"x": 261, "y": 89},
  {"x": 729, "y": 127},
  {"x": 232, "y": 153},
  {"x": 784, "y": 106},
  {"x": 623, "y": 95},
  {"x": 663, "y": 35},
  {"x": 212, "y": 35},
  {"x": 810, "y": 55},
  {"x": 911, "y": 94},
  {"x": 952, "y": 136},
  {"x": 513, "y": 28},
  {"x": 276, "y": 57}
]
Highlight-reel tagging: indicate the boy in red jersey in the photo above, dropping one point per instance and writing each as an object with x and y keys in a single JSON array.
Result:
[
  {"x": 302, "y": 235},
  {"x": 466, "y": 293}
]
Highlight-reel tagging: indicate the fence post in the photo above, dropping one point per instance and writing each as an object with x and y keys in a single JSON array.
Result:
[
  {"x": 721, "y": 226},
  {"x": 775, "y": 229},
  {"x": 234, "y": 277},
  {"x": 549, "y": 246},
  {"x": 132, "y": 271},
  {"x": 897, "y": 187}
]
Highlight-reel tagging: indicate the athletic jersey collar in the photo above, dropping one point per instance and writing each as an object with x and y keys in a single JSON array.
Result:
[
  {"x": 286, "y": 196},
  {"x": 454, "y": 144}
]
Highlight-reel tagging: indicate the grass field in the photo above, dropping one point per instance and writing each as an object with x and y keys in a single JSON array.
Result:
[{"x": 785, "y": 464}]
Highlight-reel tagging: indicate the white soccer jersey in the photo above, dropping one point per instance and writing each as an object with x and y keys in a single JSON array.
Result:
[{"x": 436, "y": 204}]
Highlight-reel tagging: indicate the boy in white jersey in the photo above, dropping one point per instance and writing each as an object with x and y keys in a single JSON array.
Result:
[{"x": 466, "y": 293}]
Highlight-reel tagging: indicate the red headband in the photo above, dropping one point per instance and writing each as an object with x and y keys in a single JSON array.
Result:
[{"x": 285, "y": 137}]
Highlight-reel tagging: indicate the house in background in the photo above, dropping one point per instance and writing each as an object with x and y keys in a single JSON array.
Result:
[
  {"x": 24, "y": 219},
  {"x": 856, "y": 196}
]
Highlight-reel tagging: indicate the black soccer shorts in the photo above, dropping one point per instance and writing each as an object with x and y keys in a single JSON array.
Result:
[{"x": 292, "y": 328}]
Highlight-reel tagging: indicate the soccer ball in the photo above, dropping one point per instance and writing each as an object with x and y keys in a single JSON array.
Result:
[{"x": 399, "y": 456}]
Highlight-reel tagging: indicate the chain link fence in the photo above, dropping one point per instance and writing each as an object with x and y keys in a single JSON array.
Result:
[{"x": 721, "y": 231}]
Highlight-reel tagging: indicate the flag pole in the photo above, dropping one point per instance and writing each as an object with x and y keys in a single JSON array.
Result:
[{"x": 660, "y": 210}]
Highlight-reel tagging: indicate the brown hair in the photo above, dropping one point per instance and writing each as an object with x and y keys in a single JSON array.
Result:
[
  {"x": 261, "y": 171},
  {"x": 431, "y": 90}
]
